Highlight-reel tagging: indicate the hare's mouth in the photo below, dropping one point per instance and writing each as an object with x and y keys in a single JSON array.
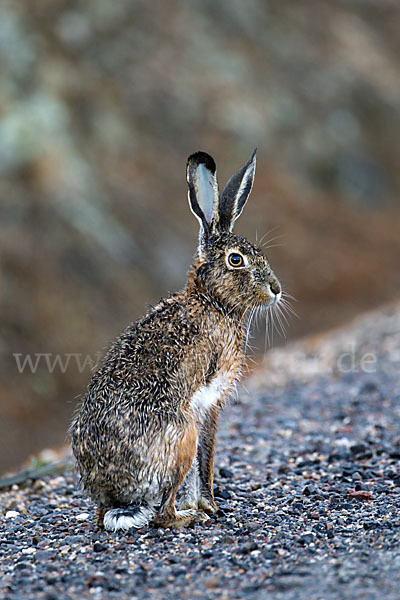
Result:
[{"x": 271, "y": 303}]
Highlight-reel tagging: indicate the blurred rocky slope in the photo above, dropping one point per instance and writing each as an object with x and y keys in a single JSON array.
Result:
[{"x": 100, "y": 104}]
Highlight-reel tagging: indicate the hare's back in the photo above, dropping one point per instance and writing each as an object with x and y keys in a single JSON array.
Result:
[{"x": 143, "y": 365}]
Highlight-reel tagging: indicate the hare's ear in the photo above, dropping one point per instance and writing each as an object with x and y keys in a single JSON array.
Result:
[
  {"x": 203, "y": 190},
  {"x": 235, "y": 194}
]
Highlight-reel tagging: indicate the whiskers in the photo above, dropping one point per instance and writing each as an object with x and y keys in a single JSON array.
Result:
[
  {"x": 252, "y": 313},
  {"x": 286, "y": 306},
  {"x": 267, "y": 243},
  {"x": 255, "y": 315},
  {"x": 276, "y": 316}
]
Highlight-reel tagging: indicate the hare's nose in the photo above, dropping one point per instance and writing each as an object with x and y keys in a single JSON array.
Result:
[{"x": 275, "y": 287}]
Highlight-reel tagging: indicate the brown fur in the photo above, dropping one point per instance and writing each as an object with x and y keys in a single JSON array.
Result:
[
  {"x": 184, "y": 454},
  {"x": 206, "y": 461},
  {"x": 137, "y": 433}
]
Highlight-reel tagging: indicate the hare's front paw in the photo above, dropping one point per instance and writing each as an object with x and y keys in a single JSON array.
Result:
[
  {"x": 203, "y": 503},
  {"x": 195, "y": 496},
  {"x": 208, "y": 505}
]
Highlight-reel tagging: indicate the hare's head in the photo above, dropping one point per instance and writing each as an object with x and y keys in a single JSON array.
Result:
[{"x": 234, "y": 271}]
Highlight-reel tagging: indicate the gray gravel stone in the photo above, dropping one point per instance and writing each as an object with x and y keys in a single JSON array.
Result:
[{"x": 308, "y": 489}]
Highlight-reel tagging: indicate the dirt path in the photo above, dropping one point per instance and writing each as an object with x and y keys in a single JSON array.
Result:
[{"x": 307, "y": 483}]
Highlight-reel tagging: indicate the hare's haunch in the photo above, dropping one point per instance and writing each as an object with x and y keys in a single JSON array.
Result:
[{"x": 145, "y": 431}]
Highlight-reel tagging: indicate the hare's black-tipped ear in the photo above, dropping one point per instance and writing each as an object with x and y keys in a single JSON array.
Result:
[
  {"x": 203, "y": 190},
  {"x": 235, "y": 194}
]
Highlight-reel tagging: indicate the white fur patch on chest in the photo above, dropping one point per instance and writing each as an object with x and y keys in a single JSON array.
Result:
[{"x": 209, "y": 395}]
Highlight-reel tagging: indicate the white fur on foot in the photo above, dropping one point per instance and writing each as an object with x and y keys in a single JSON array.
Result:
[
  {"x": 189, "y": 512},
  {"x": 127, "y": 518}
]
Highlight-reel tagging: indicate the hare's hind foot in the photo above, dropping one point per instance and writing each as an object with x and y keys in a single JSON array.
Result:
[
  {"x": 180, "y": 518},
  {"x": 168, "y": 516},
  {"x": 127, "y": 517},
  {"x": 101, "y": 511}
]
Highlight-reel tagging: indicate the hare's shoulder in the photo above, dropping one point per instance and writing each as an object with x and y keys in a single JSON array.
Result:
[
  {"x": 156, "y": 339},
  {"x": 170, "y": 321}
]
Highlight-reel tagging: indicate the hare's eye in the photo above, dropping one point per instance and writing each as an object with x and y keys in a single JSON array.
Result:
[{"x": 235, "y": 260}]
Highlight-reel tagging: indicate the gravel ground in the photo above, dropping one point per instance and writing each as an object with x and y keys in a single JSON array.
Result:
[{"x": 307, "y": 483}]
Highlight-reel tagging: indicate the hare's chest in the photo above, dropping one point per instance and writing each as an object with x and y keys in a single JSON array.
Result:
[{"x": 213, "y": 393}]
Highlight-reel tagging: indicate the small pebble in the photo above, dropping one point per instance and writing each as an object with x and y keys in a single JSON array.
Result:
[
  {"x": 98, "y": 547},
  {"x": 28, "y": 550},
  {"x": 11, "y": 514},
  {"x": 82, "y": 516}
]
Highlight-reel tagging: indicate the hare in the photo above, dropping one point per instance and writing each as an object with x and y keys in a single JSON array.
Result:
[{"x": 147, "y": 425}]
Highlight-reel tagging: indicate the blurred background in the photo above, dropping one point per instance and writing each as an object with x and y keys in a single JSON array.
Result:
[{"x": 101, "y": 103}]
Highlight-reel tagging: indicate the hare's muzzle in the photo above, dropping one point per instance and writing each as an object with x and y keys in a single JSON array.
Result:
[{"x": 273, "y": 290}]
